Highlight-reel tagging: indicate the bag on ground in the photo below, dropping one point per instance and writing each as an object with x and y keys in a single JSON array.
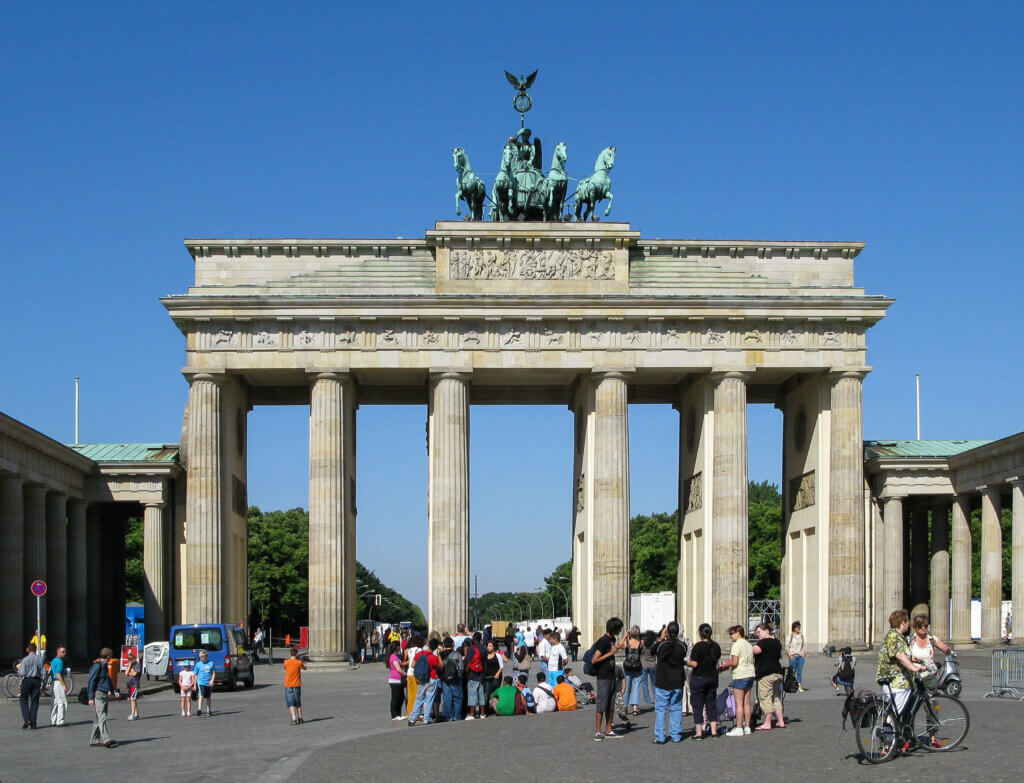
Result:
[
  {"x": 789, "y": 682},
  {"x": 726, "y": 704}
]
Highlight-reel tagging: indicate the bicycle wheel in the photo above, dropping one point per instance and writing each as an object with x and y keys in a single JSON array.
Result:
[
  {"x": 940, "y": 722},
  {"x": 12, "y": 685},
  {"x": 69, "y": 681},
  {"x": 876, "y": 735}
]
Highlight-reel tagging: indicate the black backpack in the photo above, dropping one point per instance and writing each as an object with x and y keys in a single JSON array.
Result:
[
  {"x": 845, "y": 669},
  {"x": 632, "y": 662},
  {"x": 854, "y": 706},
  {"x": 789, "y": 681},
  {"x": 451, "y": 672}
]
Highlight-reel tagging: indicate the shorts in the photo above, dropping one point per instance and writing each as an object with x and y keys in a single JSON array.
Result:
[
  {"x": 768, "y": 688},
  {"x": 474, "y": 693},
  {"x": 293, "y": 697},
  {"x": 606, "y": 695},
  {"x": 133, "y": 692},
  {"x": 743, "y": 684},
  {"x": 204, "y": 691}
]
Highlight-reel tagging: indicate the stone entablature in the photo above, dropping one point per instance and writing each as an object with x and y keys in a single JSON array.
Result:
[{"x": 40, "y": 460}]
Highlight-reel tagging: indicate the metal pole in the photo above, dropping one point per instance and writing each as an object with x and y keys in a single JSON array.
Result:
[
  {"x": 39, "y": 625},
  {"x": 564, "y": 595},
  {"x": 917, "y": 383},
  {"x": 76, "y": 410}
]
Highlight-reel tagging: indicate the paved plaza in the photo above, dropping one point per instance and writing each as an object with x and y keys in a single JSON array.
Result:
[{"x": 347, "y": 736}]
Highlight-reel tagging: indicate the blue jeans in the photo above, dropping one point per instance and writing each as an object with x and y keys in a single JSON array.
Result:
[
  {"x": 797, "y": 663},
  {"x": 424, "y": 701},
  {"x": 451, "y": 700},
  {"x": 635, "y": 683},
  {"x": 672, "y": 701}
]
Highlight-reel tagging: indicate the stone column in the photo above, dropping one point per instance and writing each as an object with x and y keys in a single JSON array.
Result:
[
  {"x": 57, "y": 569},
  {"x": 35, "y": 556},
  {"x": 610, "y": 518},
  {"x": 991, "y": 565},
  {"x": 448, "y": 500},
  {"x": 203, "y": 507},
  {"x": 331, "y": 516},
  {"x": 78, "y": 583},
  {"x": 1017, "y": 559},
  {"x": 892, "y": 578},
  {"x": 919, "y": 556},
  {"x": 13, "y": 588},
  {"x": 939, "y": 600},
  {"x": 96, "y": 563},
  {"x": 153, "y": 563},
  {"x": 729, "y": 530},
  {"x": 960, "y": 626},
  {"x": 847, "y": 543}
]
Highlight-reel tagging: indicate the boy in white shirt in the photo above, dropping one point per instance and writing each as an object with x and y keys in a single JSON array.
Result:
[
  {"x": 557, "y": 656},
  {"x": 543, "y": 695}
]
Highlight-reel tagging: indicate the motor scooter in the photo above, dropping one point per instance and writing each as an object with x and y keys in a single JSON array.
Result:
[{"x": 948, "y": 678}]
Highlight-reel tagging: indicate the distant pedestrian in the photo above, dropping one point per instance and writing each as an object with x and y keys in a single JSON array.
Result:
[
  {"x": 573, "y": 638},
  {"x": 293, "y": 686},
  {"x": 557, "y": 656},
  {"x": 669, "y": 680},
  {"x": 187, "y": 687},
  {"x": 100, "y": 690},
  {"x": 603, "y": 664},
  {"x": 40, "y": 642},
  {"x": 741, "y": 661},
  {"x": 204, "y": 680},
  {"x": 795, "y": 650},
  {"x": 474, "y": 659},
  {"x": 412, "y": 649},
  {"x": 31, "y": 671},
  {"x": 133, "y": 681},
  {"x": 60, "y": 689}
]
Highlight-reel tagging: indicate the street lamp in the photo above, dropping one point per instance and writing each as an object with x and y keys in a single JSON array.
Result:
[
  {"x": 552, "y": 600},
  {"x": 522, "y": 616},
  {"x": 566, "y": 597}
]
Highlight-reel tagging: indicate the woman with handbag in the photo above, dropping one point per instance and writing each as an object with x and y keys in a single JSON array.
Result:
[{"x": 633, "y": 668}]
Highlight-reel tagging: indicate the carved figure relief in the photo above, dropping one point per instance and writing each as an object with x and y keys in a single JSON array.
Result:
[
  {"x": 223, "y": 337},
  {"x": 388, "y": 336},
  {"x": 522, "y": 264},
  {"x": 263, "y": 337},
  {"x": 672, "y": 335},
  {"x": 831, "y": 338},
  {"x": 551, "y": 337},
  {"x": 512, "y": 337},
  {"x": 788, "y": 337},
  {"x": 430, "y": 337},
  {"x": 753, "y": 337},
  {"x": 693, "y": 491},
  {"x": 471, "y": 337},
  {"x": 633, "y": 336},
  {"x": 801, "y": 491},
  {"x": 713, "y": 337},
  {"x": 579, "y": 493},
  {"x": 347, "y": 335},
  {"x": 305, "y": 337}
]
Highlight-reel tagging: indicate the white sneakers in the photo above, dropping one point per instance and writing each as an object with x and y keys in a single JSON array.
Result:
[
  {"x": 470, "y": 716},
  {"x": 746, "y": 729},
  {"x": 735, "y": 732}
]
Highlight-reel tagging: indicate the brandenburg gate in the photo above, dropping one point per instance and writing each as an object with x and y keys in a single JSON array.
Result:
[{"x": 590, "y": 315}]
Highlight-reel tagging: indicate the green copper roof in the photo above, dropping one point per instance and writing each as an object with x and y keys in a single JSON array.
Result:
[
  {"x": 925, "y": 449},
  {"x": 128, "y": 452}
]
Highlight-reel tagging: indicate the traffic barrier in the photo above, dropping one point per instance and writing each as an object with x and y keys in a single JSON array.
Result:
[{"x": 1008, "y": 673}]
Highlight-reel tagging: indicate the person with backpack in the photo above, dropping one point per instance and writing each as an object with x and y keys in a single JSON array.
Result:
[
  {"x": 599, "y": 661},
  {"x": 521, "y": 662},
  {"x": 703, "y": 662},
  {"x": 100, "y": 689},
  {"x": 573, "y": 638},
  {"x": 845, "y": 672},
  {"x": 768, "y": 671},
  {"x": 795, "y": 646},
  {"x": 669, "y": 678},
  {"x": 425, "y": 669},
  {"x": 451, "y": 681},
  {"x": 475, "y": 678},
  {"x": 633, "y": 667},
  {"x": 529, "y": 703}
]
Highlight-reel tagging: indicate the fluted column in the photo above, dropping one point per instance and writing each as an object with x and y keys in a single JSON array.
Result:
[
  {"x": 153, "y": 563},
  {"x": 847, "y": 584},
  {"x": 203, "y": 504},
  {"x": 78, "y": 584},
  {"x": 610, "y": 586},
  {"x": 96, "y": 565},
  {"x": 448, "y": 500},
  {"x": 331, "y": 516},
  {"x": 57, "y": 568},
  {"x": 939, "y": 600},
  {"x": 13, "y": 587},
  {"x": 1017, "y": 561},
  {"x": 35, "y": 555},
  {"x": 991, "y": 565},
  {"x": 960, "y": 549},
  {"x": 892, "y": 590},
  {"x": 729, "y": 530}
]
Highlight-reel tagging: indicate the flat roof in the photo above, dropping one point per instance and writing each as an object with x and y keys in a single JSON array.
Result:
[
  {"x": 924, "y": 449},
  {"x": 128, "y": 452}
]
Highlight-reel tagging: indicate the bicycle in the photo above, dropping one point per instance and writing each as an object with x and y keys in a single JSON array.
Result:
[
  {"x": 934, "y": 721},
  {"x": 10, "y": 683}
]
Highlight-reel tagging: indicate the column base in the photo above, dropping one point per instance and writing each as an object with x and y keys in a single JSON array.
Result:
[
  {"x": 328, "y": 657},
  {"x": 1017, "y": 641},
  {"x": 855, "y": 646},
  {"x": 996, "y": 642},
  {"x": 963, "y": 642}
]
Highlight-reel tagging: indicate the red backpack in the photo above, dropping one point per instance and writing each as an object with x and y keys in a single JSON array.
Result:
[{"x": 475, "y": 663}]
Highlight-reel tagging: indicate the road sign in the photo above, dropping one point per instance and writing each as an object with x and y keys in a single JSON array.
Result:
[{"x": 38, "y": 588}]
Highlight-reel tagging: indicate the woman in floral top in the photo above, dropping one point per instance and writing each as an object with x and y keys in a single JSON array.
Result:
[{"x": 894, "y": 657}]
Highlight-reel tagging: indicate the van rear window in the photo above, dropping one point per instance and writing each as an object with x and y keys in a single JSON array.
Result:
[{"x": 198, "y": 639}]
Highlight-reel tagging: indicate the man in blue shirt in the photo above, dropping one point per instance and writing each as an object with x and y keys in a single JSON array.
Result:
[
  {"x": 60, "y": 689},
  {"x": 204, "y": 679}
]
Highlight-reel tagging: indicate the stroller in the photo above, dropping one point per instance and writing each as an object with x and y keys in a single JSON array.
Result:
[{"x": 727, "y": 708}]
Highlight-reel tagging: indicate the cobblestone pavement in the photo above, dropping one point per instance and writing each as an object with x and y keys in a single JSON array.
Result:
[{"x": 347, "y": 736}]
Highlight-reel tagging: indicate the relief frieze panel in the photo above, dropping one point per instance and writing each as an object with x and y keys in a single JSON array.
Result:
[{"x": 524, "y": 264}]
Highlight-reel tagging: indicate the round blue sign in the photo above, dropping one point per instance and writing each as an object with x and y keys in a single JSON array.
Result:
[{"x": 39, "y": 588}]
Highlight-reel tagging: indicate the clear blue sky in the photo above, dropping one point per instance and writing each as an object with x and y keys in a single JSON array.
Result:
[{"x": 127, "y": 127}]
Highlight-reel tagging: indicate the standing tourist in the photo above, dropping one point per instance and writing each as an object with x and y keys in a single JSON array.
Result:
[
  {"x": 60, "y": 689},
  {"x": 633, "y": 668},
  {"x": 557, "y": 656},
  {"x": 396, "y": 678},
  {"x": 375, "y": 642},
  {"x": 133, "y": 680},
  {"x": 543, "y": 649},
  {"x": 768, "y": 670},
  {"x": 100, "y": 689},
  {"x": 31, "y": 672},
  {"x": 493, "y": 669},
  {"x": 795, "y": 650},
  {"x": 411, "y": 651},
  {"x": 531, "y": 642},
  {"x": 425, "y": 667},
  {"x": 669, "y": 678},
  {"x": 40, "y": 642},
  {"x": 187, "y": 686},
  {"x": 703, "y": 662},
  {"x": 204, "y": 680},
  {"x": 603, "y": 664},
  {"x": 452, "y": 666},
  {"x": 894, "y": 659},
  {"x": 257, "y": 643},
  {"x": 574, "y": 642},
  {"x": 293, "y": 686},
  {"x": 475, "y": 678},
  {"x": 922, "y": 648},
  {"x": 741, "y": 661},
  {"x": 510, "y": 639},
  {"x": 649, "y": 663},
  {"x": 362, "y": 642}
]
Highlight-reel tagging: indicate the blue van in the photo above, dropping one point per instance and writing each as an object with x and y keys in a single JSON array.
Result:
[{"x": 226, "y": 647}]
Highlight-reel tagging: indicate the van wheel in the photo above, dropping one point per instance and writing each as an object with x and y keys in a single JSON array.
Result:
[
  {"x": 233, "y": 682},
  {"x": 251, "y": 681},
  {"x": 177, "y": 688}
]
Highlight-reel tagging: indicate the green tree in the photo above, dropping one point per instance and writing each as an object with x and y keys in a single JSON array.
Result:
[
  {"x": 133, "y": 542},
  {"x": 654, "y": 552},
  {"x": 764, "y": 515}
]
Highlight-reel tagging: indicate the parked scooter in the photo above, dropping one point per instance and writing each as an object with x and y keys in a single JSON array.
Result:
[{"x": 949, "y": 679}]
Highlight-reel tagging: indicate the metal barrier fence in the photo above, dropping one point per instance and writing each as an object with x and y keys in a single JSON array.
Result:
[{"x": 1008, "y": 673}]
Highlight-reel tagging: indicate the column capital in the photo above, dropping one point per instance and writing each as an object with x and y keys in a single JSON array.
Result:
[
  {"x": 161, "y": 504},
  {"x": 342, "y": 376},
  {"x": 465, "y": 375},
  {"x": 210, "y": 376},
  {"x": 843, "y": 373},
  {"x": 736, "y": 374},
  {"x": 621, "y": 373},
  {"x": 989, "y": 489},
  {"x": 889, "y": 498},
  {"x": 1015, "y": 481}
]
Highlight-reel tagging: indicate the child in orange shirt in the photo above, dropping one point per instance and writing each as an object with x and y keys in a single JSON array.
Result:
[
  {"x": 565, "y": 695},
  {"x": 293, "y": 686}
]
